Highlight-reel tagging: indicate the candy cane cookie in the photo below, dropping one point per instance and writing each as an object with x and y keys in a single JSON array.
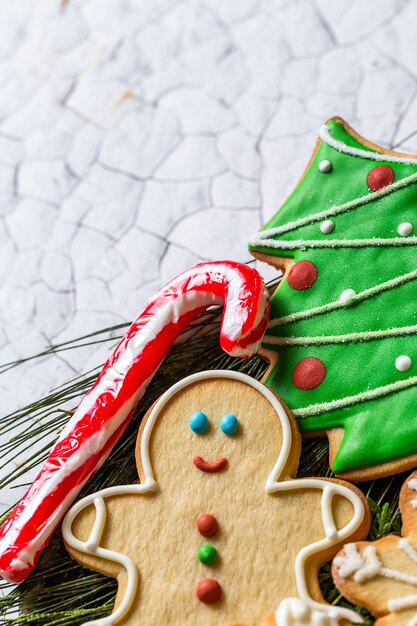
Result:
[{"x": 106, "y": 409}]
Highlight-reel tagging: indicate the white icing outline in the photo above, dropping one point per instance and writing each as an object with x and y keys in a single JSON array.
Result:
[
  {"x": 340, "y": 146},
  {"x": 410, "y": 601},
  {"x": 293, "y": 611},
  {"x": 345, "y": 338},
  {"x": 273, "y": 485},
  {"x": 324, "y": 407},
  {"x": 363, "y": 566},
  {"x": 406, "y": 546},
  {"x": 401, "y": 604},
  {"x": 377, "y": 242}
]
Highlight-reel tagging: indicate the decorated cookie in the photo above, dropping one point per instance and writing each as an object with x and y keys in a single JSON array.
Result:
[
  {"x": 382, "y": 575},
  {"x": 342, "y": 337},
  {"x": 218, "y": 532}
]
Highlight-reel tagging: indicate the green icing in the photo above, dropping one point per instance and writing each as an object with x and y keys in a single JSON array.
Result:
[
  {"x": 383, "y": 429},
  {"x": 207, "y": 554}
]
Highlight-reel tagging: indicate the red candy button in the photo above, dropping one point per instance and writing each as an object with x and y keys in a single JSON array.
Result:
[
  {"x": 380, "y": 177},
  {"x": 207, "y": 525},
  {"x": 308, "y": 373},
  {"x": 302, "y": 275},
  {"x": 209, "y": 591}
]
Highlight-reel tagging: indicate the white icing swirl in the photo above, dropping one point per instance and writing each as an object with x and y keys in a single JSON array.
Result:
[{"x": 296, "y": 612}]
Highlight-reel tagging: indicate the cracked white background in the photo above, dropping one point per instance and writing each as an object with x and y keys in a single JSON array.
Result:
[{"x": 138, "y": 138}]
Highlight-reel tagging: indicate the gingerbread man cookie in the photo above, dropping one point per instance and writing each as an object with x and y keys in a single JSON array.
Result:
[
  {"x": 218, "y": 532},
  {"x": 382, "y": 575},
  {"x": 343, "y": 319}
]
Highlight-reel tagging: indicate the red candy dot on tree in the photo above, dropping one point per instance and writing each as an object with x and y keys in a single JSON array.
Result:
[
  {"x": 209, "y": 591},
  {"x": 207, "y": 525},
  {"x": 302, "y": 275},
  {"x": 380, "y": 177},
  {"x": 308, "y": 373}
]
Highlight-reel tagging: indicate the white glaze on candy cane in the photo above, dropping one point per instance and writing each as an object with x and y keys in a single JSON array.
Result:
[
  {"x": 105, "y": 411},
  {"x": 273, "y": 485}
]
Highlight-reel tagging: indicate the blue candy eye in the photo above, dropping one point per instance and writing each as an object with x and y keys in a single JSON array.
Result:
[
  {"x": 199, "y": 422},
  {"x": 229, "y": 424}
]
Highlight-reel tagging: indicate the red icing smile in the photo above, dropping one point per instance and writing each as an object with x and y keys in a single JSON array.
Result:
[{"x": 211, "y": 468}]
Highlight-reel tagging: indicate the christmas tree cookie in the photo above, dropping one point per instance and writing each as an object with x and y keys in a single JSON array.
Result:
[
  {"x": 218, "y": 532},
  {"x": 342, "y": 337}
]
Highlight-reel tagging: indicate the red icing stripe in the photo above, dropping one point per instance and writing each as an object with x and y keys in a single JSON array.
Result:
[{"x": 105, "y": 411}]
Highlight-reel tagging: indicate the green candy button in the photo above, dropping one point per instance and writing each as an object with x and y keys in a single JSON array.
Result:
[{"x": 207, "y": 554}]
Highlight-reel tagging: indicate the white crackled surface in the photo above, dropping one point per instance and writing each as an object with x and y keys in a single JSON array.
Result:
[{"x": 138, "y": 138}]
